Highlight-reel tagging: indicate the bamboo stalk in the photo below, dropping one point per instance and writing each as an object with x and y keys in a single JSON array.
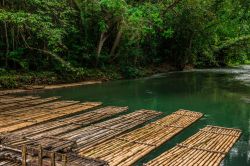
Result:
[
  {"x": 24, "y": 157},
  {"x": 53, "y": 161},
  {"x": 40, "y": 156},
  {"x": 64, "y": 160}
]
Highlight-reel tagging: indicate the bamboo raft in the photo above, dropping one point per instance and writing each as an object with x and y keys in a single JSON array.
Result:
[
  {"x": 68, "y": 134},
  {"x": 59, "y": 126},
  {"x": 46, "y": 131},
  {"x": 15, "y": 104},
  {"x": 17, "y": 113},
  {"x": 9, "y": 99},
  {"x": 14, "y": 91},
  {"x": 100, "y": 132},
  {"x": 208, "y": 147},
  {"x": 30, "y": 88},
  {"x": 127, "y": 148},
  {"x": 76, "y": 121}
]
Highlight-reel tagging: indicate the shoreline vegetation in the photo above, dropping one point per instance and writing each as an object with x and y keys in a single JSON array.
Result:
[
  {"x": 22, "y": 82},
  {"x": 25, "y": 81},
  {"x": 13, "y": 80}
]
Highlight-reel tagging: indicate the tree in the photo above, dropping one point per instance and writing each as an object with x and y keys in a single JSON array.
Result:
[
  {"x": 39, "y": 26},
  {"x": 65, "y": 35}
]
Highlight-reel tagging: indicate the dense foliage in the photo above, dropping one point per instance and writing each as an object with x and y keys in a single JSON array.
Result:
[{"x": 73, "y": 35}]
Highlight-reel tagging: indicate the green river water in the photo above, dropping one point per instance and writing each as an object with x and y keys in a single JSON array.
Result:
[{"x": 223, "y": 95}]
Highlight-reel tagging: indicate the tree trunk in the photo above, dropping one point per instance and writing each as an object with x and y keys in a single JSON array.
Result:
[
  {"x": 103, "y": 38},
  {"x": 13, "y": 38},
  {"x": 7, "y": 44},
  {"x": 171, "y": 6},
  {"x": 116, "y": 42}
]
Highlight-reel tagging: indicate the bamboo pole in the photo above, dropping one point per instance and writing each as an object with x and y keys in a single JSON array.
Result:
[
  {"x": 24, "y": 157},
  {"x": 64, "y": 160},
  {"x": 53, "y": 161},
  {"x": 40, "y": 156}
]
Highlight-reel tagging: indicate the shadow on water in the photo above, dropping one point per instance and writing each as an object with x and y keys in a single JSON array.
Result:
[{"x": 223, "y": 95}]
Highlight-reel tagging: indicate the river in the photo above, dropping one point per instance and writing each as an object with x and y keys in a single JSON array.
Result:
[{"x": 223, "y": 95}]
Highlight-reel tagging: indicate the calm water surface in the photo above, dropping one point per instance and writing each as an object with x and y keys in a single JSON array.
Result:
[{"x": 223, "y": 95}]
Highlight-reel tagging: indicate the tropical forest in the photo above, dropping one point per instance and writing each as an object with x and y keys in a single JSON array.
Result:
[{"x": 72, "y": 40}]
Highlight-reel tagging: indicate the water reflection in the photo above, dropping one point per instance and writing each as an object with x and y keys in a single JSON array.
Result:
[
  {"x": 241, "y": 73},
  {"x": 246, "y": 99}
]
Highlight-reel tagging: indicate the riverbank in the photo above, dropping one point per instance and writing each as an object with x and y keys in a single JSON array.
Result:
[
  {"x": 13, "y": 81},
  {"x": 27, "y": 80}
]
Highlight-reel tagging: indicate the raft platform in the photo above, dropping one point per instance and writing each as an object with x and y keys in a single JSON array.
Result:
[
  {"x": 67, "y": 136},
  {"x": 208, "y": 147},
  {"x": 47, "y": 132},
  {"x": 17, "y": 113},
  {"x": 127, "y": 148}
]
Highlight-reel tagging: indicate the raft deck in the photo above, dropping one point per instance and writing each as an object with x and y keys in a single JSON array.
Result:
[
  {"x": 65, "y": 127},
  {"x": 68, "y": 134},
  {"x": 72, "y": 122},
  {"x": 127, "y": 148},
  {"x": 17, "y": 114},
  {"x": 208, "y": 147}
]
